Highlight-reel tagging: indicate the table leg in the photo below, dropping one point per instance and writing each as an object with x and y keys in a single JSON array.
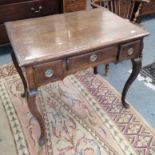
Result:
[
  {"x": 106, "y": 69},
  {"x": 31, "y": 99},
  {"x": 19, "y": 70},
  {"x": 136, "y": 67},
  {"x": 95, "y": 70}
]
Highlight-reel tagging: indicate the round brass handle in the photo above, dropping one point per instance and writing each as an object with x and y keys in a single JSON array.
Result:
[
  {"x": 36, "y": 10},
  {"x": 130, "y": 51},
  {"x": 49, "y": 73},
  {"x": 93, "y": 57}
]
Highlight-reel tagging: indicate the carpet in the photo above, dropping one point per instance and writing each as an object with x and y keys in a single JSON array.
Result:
[{"x": 83, "y": 116}]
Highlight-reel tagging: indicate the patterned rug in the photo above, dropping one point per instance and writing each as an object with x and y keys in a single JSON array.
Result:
[
  {"x": 147, "y": 75},
  {"x": 149, "y": 71},
  {"x": 83, "y": 115}
]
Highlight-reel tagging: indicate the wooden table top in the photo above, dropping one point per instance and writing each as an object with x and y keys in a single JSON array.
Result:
[{"x": 52, "y": 37}]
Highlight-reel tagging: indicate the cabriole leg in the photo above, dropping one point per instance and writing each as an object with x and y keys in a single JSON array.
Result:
[
  {"x": 31, "y": 99},
  {"x": 136, "y": 67},
  {"x": 19, "y": 70},
  {"x": 95, "y": 70}
]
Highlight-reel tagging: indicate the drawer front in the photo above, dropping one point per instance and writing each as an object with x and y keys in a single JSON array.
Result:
[
  {"x": 106, "y": 55},
  {"x": 3, "y": 36},
  {"x": 48, "y": 72},
  {"x": 148, "y": 8},
  {"x": 11, "y": 1},
  {"x": 129, "y": 50},
  {"x": 74, "y": 5},
  {"x": 23, "y": 10}
]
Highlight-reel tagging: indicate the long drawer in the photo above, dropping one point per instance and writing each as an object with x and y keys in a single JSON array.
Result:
[
  {"x": 27, "y": 9},
  {"x": 105, "y": 55}
]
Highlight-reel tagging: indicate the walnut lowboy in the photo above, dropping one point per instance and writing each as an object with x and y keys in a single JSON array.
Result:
[{"x": 51, "y": 47}]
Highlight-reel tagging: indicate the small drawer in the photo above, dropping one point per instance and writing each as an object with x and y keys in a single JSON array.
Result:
[
  {"x": 105, "y": 55},
  {"x": 129, "y": 50},
  {"x": 74, "y": 5},
  {"x": 48, "y": 72}
]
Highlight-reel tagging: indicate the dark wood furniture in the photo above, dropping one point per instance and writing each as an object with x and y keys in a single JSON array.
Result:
[
  {"x": 21, "y": 9},
  {"x": 48, "y": 49},
  {"x": 148, "y": 8},
  {"x": 74, "y": 5}
]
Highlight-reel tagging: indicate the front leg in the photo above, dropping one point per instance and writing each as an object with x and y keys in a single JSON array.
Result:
[
  {"x": 136, "y": 67},
  {"x": 95, "y": 70},
  {"x": 19, "y": 70},
  {"x": 31, "y": 99}
]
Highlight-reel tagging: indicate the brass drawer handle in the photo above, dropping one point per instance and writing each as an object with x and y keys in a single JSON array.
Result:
[
  {"x": 130, "y": 51},
  {"x": 49, "y": 73},
  {"x": 93, "y": 57},
  {"x": 37, "y": 10}
]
